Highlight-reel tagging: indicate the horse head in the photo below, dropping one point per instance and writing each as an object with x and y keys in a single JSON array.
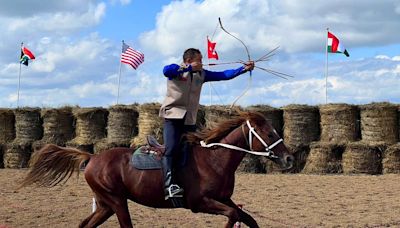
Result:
[{"x": 264, "y": 140}]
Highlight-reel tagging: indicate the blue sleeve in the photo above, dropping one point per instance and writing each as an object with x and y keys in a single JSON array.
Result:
[
  {"x": 174, "y": 70},
  {"x": 223, "y": 75}
]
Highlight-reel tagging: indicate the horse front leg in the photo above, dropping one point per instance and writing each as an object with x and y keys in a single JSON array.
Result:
[
  {"x": 211, "y": 206},
  {"x": 243, "y": 216}
]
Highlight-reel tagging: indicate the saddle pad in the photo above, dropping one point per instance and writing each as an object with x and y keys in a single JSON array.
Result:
[{"x": 145, "y": 161}]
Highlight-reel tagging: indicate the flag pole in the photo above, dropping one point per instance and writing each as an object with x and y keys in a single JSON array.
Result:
[
  {"x": 19, "y": 79},
  {"x": 119, "y": 76},
  {"x": 326, "y": 68}
]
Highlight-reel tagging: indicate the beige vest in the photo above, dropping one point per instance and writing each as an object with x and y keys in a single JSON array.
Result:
[{"x": 183, "y": 96}]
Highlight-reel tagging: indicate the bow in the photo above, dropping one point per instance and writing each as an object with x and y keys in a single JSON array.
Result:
[{"x": 248, "y": 57}]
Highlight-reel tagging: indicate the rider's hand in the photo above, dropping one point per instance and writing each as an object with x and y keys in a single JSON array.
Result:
[
  {"x": 249, "y": 66},
  {"x": 196, "y": 66}
]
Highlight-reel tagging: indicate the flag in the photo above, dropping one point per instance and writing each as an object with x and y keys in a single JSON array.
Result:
[
  {"x": 334, "y": 46},
  {"x": 131, "y": 56},
  {"x": 212, "y": 54},
  {"x": 26, "y": 55}
]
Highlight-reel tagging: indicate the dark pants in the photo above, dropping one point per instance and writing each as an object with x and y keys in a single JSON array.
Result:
[{"x": 173, "y": 131}]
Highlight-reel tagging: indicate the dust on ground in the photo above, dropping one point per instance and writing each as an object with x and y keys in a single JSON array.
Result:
[{"x": 287, "y": 200}]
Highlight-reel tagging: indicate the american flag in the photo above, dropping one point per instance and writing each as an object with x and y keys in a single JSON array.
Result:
[{"x": 131, "y": 57}]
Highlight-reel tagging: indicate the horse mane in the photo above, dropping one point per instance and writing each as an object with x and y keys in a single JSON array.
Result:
[{"x": 223, "y": 128}]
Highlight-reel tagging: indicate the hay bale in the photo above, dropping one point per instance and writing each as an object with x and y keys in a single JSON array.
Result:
[
  {"x": 84, "y": 147},
  {"x": 391, "y": 159},
  {"x": 90, "y": 125},
  {"x": 362, "y": 158},
  {"x": 379, "y": 123},
  {"x": 122, "y": 124},
  {"x": 57, "y": 127},
  {"x": 217, "y": 113},
  {"x": 17, "y": 154},
  {"x": 324, "y": 158},
  {"x": 149, "y": 123},
  {"x": 301, "y": 125},
  {"x": 274, "y": 115},
  {"x": 251, "y": 164},
  {"x": 338, "y": 123},
  {"x": 105, "y": 144},
  {"x": 7, "y": 125},
  {"x": 28, "y": 125}
]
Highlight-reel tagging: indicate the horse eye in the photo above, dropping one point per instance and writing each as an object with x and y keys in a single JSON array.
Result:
[{"x": 270, "y": 135}]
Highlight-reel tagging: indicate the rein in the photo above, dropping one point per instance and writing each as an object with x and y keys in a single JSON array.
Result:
[{"x": 268, "y": 149}]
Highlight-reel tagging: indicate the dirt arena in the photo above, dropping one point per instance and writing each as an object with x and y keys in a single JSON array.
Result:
[{"x": 273, "y": 200}]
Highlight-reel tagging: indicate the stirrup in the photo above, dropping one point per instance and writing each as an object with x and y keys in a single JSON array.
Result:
[{"x": 174, "y": 191}]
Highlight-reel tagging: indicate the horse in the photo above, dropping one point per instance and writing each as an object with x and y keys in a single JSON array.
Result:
[{"x": 208, "y": 177}]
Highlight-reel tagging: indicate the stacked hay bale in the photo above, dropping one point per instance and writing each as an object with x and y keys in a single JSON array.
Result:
[
  {"x": 90, "y": 127},
  {"x": 379, "y": 123},
  {"x": 149, "y": 123},
  {"x": 7, "y": 130},
  {"x": 121, "y": 127},
  {"x": 7, "y": 125},
  {"x": 17, "y": 155},
  {"x": 339, "y": 123},
  {"x": 362, "y": 158},
  {"x": 324, "y": 158},
  {"x": 217, "y": 113},
  {"x": 57, "y": 127},
  {"x": 28, "y": 128},
  {"x": 301, "y": 127},
  {"x": 391, "y": 159}
]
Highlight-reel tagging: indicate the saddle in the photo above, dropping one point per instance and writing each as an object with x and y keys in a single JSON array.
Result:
[
  {"x": 155, "y": 146},
  {"x": 148, "y": 156}
]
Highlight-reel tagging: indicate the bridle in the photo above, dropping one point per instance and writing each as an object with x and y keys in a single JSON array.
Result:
[{"x": 268, "y": 149}]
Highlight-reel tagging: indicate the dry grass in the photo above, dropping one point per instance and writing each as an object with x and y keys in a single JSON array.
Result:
[
  {"x": 90, "y": 125},
  {"x": 324, "y": 158},
  {"x": 379, "y": 123},
  {"x": 301, "y": 125},
  {"x": 391, "y": 159},
  {"x": 338, "y": 123},
  {"x": 28, "y": 125},
  {"x": 149, "y": 123},
  {"x": 362, "y": 158},
  {"x": 122, "y": 123},
  {"x": 7, "y": 128}
]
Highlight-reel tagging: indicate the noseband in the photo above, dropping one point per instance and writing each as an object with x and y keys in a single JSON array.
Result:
[{"x": 268, "y": 149}]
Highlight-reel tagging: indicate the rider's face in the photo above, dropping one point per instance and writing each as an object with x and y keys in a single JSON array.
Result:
[{"x": 198, "y": 58}]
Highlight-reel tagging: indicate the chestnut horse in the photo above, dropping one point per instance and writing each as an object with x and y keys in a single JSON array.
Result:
[{"x": 208, "y": 177}]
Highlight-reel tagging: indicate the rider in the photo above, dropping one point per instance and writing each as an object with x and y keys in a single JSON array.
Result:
[{"x": 181, "y": 104}]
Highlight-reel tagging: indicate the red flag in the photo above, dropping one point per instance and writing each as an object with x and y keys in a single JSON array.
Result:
[{"x": 212, "y": 54}]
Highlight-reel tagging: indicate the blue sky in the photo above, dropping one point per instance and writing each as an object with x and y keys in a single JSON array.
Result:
[{"x": 77, "y": 45}]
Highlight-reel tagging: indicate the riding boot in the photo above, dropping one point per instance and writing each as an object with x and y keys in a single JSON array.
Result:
[{"x": 170, "y": 189}]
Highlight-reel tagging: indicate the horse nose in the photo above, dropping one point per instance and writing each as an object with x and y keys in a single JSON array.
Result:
[{"x": 289, "y": 159}]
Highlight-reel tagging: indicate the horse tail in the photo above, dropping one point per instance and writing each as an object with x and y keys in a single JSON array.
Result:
[{"x": 53, "y": 164}]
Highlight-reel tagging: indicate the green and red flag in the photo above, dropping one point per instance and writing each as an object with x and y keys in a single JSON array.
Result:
[
  {"x": 26, "y": 55},
  {"x": 335, "y": 46}
]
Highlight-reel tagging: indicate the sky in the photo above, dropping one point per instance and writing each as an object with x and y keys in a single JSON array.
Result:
[{"x": 77, "y": 45}]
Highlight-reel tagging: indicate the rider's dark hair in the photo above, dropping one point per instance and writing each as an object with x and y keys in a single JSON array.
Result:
[{"x": 190, "y": 53}]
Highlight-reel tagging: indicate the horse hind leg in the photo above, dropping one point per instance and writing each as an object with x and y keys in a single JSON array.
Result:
[{"x": 99, "y": 216}]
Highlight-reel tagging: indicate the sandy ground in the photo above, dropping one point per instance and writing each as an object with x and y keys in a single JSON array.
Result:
[{"x": 273, "y": 200}]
